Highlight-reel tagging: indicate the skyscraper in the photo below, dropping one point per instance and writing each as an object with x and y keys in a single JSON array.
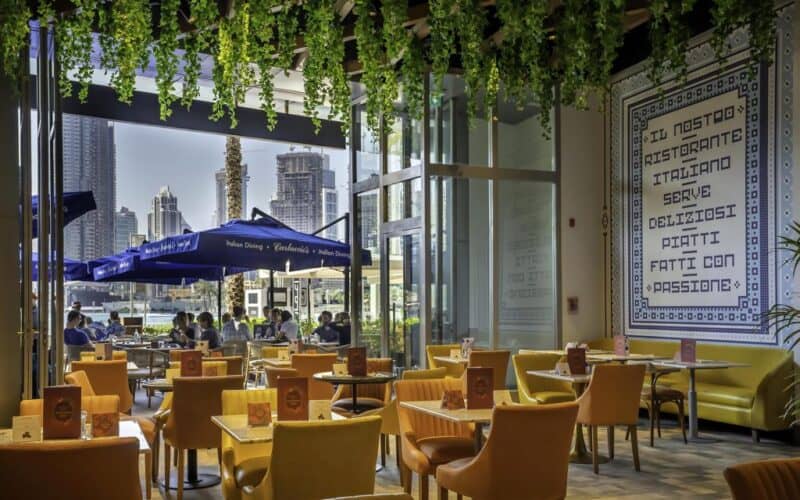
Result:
[
  {"x": 306, "y": 197},
  {"x": 90, "y": 165},
  {"x": 125, "y": 225},
  {"x": 164, "y": 218},
  {"x": 221, "y": 212}
]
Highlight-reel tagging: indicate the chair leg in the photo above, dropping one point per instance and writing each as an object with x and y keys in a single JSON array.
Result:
[
  {"x": 756, "y": 437},
  {"x": 219, "y": 456},
  {"x": 388, "y": 445},
  {"x": 181, "y": 461},
  {"x": 658, "y": 419},
  {"x": 155, "y": 453},
  {"x": 681, "y": 421},
  {"x": 383, "y": 450},
  {"x": 610, "y": 442},
  {"x": 405, "y": 478},
  {"x": 423, "y": 487},
  {"x": 167, "y": 462},
  {"x": 635, "y": 448},
  {"x": 442, "y": 493},
  {"x": 459, "y": 497},
  {"x": 397, "y": 450},
  {"x": 627, "y": 434},
  {"x": 589, "y": 431},
  {"x": 595, "y": 466},
  {"x": 651, "y": 417}
]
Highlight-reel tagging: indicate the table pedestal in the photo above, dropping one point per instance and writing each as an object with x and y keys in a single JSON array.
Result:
[
  {"x": 694, "y": 428},
  {"x": 193, "y": 480}
]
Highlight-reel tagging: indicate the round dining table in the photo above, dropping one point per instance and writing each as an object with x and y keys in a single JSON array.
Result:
[{"x": 354, "y": 381}]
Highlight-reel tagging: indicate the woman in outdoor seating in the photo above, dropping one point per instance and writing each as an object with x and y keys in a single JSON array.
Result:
[{"x": 206, "y": 321}]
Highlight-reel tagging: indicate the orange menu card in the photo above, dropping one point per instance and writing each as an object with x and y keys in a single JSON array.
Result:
[
  {"x": 357, "y": 361},
  {"x": 576, "y": 359},
  {"x": 292, "y": 398}
]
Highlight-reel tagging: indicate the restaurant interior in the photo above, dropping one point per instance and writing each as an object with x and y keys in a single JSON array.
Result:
[{"x": 542, "y": 295}]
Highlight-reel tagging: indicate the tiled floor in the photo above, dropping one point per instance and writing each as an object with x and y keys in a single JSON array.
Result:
[{"x": 670, "y": 470}]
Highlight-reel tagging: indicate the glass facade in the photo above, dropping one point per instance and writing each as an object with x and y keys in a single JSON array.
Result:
[{"x": 466, "y": 229}]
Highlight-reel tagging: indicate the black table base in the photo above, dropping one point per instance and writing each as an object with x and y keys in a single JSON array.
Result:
[{"x": 193, "y": 481}]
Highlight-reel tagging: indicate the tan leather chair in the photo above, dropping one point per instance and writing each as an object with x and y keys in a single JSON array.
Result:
[
  {"x": 270, "y": 352},
  {"x": 428, "y": 442},
  {"x": 377, "y": 496},
  {"x": 432, "y": 351},
  {"x": 539, "y": 390},
  {"x": 150, "y": 427},
  {"x": 244, "y": 464},
  {"x": 321, "y": 459},
  {"x": 175, "y": 354},
  {"x": 430, "y": 373},
  {"x": 194, "y": 401},
  {"x": 376, "y": 396},
  {"x": 273, "y": 374},
  {"x": 497, "y": 360},
  {"x": 309, "y": 364},
  {"x": 91, "y": 404},
  {"x": 777, "y": 479},
  {"x": 612, "y": 398},
  {"x": 117, "y": 355},
  {"x": 216, "y": 369},
  {"x": 66, "y": 464},
  {"x": 235, "y": 364},
  {"x": 525, "y": 456},
  {"x": 108, "y": 377}
]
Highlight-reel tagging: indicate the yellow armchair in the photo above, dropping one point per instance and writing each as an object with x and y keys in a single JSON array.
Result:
[
  {"x": 539, "y": 390},
  {"x": 432, "y": 351},
  {"x": 243, "y": 464},
  {"x": 321, "y": 459},
  {"x": 525, "y": 456},
  {"x": 765, "y": 480}
]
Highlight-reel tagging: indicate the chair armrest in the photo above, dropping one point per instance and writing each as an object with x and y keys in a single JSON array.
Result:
[
  {"x": 161, "y": 416},
  {"x": 771, "y": 397}
]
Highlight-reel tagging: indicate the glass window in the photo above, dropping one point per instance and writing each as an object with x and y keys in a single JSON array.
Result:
[
  {"x": 368, "y": 217},
  {"x": 522, "y": 143},
  {"x": 460, "y": 260},
  {"x": 404, "y": 143},
  {"x": 526, "y": 233},
  {"x": 404, "y": 199},
  {"x": 403, "y": 307},
  {"x": 457, "y": 140},
  {"x": 367, "y": 146}
]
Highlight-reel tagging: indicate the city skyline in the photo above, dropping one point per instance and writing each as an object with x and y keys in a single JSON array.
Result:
[{"x": 150, "y": 157}]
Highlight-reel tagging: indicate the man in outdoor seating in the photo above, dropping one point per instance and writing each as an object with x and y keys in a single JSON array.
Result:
[
  {"x": 72, "y": 334},
  {"x": 325, "y": 329}
]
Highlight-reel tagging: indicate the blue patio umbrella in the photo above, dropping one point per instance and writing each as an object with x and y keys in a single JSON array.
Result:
[
  {"x": 129, "y": 267},
  {"x": 74, "y": 270},
  {"x": 263, "y": 243},
  {"x": 76, "y": 204}
]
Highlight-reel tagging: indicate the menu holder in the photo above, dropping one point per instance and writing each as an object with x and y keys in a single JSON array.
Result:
[
  {"x": 61, "y": 412},
  {"x": 105, "y": 424},
  {"x": 452, "y": 400},
  {"x": 340, "y": 369},
  {"x": 259, "y": 414},
  {"x": 455, "y": 353},
  {"x": 357, "y": 361},
  {"x": 319, "y": 409},
  {"x": 576, "y": 359},
  {"x": 480, "y": 388},
  {"x": 104, "y": 351},
  {"x": 27, "y": 428},
  {"x": 688, "y": 352},
  {"x": 191, "y": 364},
  {"x": 620, "y": 345},
  {"x": 202, "y": 346},
  {"x": 283, "y": 354},
  {"x": 292, "y": 398}
]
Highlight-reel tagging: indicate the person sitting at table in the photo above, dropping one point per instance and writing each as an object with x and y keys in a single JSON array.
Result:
[
  {"x": 114, "y": 327},
  {"x": 236, "y": 328},
  {"x": 181, "y": 334},
  {"x": 192, "y": 323},
  {"x": 73, "y": 335},
  {"x": 288, "y": 327},
  {"x": 209, "y": 333},
  {"x": 325, "y": 330},
  {"x": 96, "y": 329},
  {"x": 342, "y": 325}
]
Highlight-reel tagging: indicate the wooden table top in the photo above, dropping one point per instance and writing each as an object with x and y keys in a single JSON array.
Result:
[
  {"x": 370, "y": 378},
  {"x": 451, "y": 361},
  {"x": 573, "y": 379},
  {"x": 700, "y": 364},
  {"x": 277, "y": 363},
  {"x": 127, "y": 428},
  {"x": 463, "y": 416},
  {"x": 236, "y": 427}
]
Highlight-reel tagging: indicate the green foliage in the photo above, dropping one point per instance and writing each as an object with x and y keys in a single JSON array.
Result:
[
  {"x": 14, "y": 32},
  {"x": 166, "y": 58},
  {"x": 325, "y": 79},
  {"x": 669, "y": 38},
  {"x": 757, "y": 15},
  {"x": 233, "y": 73},
  {"x": 288, "y": 21},
  {"x": 73, "y": 35},
  {"x": 413, "y": 77},
  {"x": 130, "y": 40},
  {"x": 262, "y": 22},
  {"x": 204, "y": 15},
  {"x": 443, "y": 42}
]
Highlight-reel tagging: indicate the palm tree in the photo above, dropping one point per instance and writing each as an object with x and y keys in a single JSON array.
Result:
[{"x": 234, "y": 287}]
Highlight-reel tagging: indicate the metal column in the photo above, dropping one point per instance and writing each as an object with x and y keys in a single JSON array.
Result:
[
  {"x": 58, "y": 220},
  {"x": 26, "y": 193}
]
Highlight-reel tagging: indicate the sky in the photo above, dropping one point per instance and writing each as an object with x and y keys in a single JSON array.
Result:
[{"x": 149, "y": 157}]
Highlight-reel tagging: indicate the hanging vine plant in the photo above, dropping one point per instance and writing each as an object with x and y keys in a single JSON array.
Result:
[
  {"x": 131, "y": 39},
  {"x": 288, "y": 21},
  {"x": 669, "y": 38},
  {"x": 413, "y": 77},
  {"x": 377, "y": 74},
  {"x": 262, "y": 22},
  {"x": 443, "y": 28},
  {"x": 14, "y": 32},
  {"x": 233, "y": 72},
  {"x": 480, "y": 71},
  {"x": 165, "y": 55},
  {"x": 325, "y": 79},
  {"x": 204, "y": 15},
  {"x": 757, "y": 15}
]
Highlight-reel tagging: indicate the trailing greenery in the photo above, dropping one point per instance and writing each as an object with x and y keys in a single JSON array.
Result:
[
  {"x": 166, "y": 56},
  {"x": 536, "y": 45}
]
